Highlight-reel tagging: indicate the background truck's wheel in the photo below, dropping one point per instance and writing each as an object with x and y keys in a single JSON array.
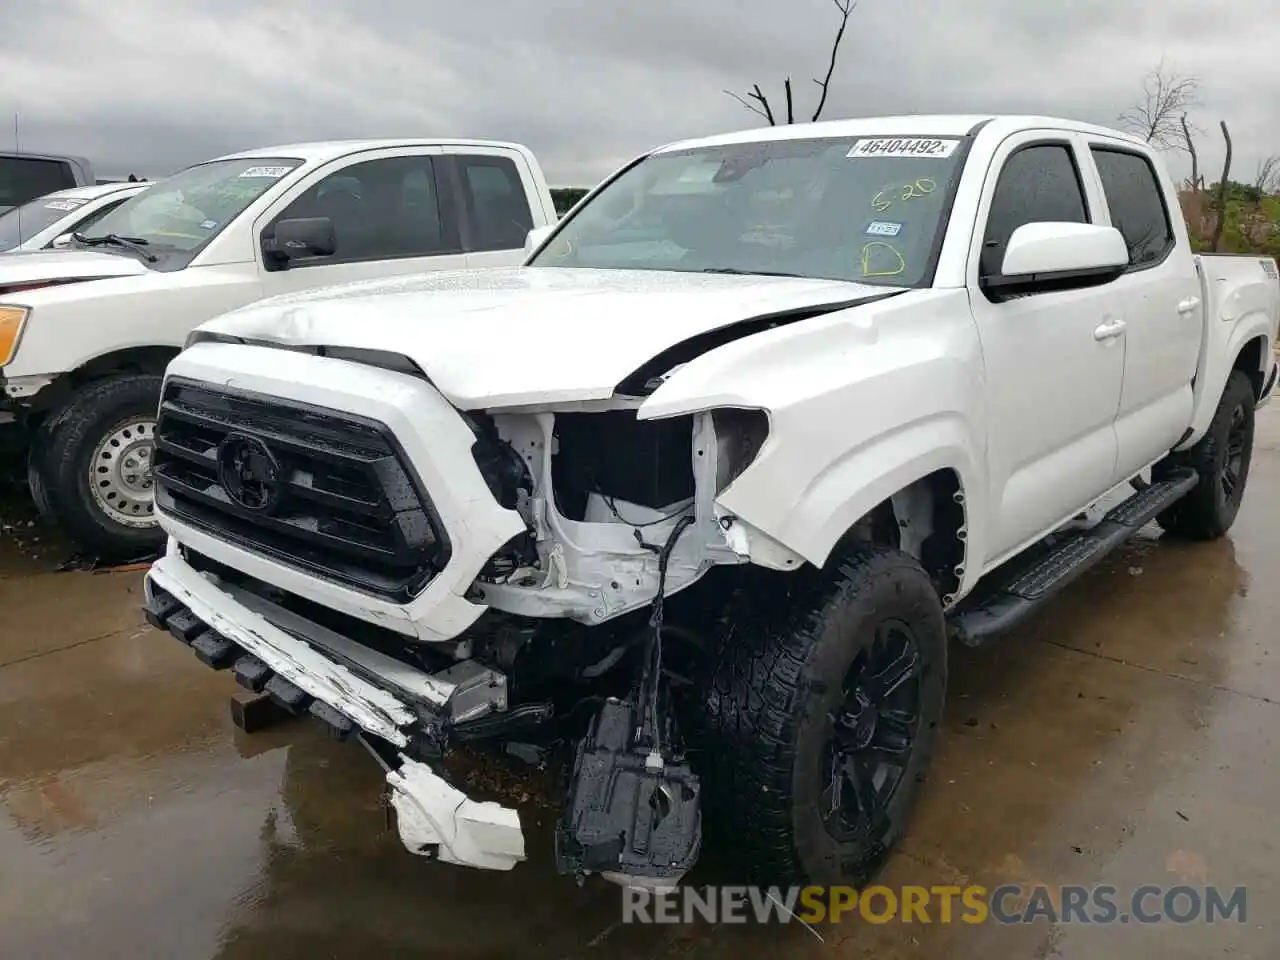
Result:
[
  {"x": 91, "y": 467},
  {"x": 1222, "y": 458},
  {"x": 821, "y": 719}
]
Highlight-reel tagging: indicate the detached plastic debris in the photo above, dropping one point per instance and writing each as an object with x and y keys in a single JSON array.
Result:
[{"x": 632, "y": 816}]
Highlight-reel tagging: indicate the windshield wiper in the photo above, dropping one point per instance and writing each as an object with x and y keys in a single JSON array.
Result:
[
  {"x": 132, "y": 244},
  {"x": 751, "y": 273}
]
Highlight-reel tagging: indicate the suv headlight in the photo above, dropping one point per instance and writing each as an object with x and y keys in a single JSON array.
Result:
[{"x": 12, "y": 320}]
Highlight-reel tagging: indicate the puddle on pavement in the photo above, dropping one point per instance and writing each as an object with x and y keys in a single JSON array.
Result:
[{"x": 1125, "y": 735}]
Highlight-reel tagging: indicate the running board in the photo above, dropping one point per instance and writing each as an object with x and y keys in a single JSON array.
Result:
[{"x": 1028, "y": 587}]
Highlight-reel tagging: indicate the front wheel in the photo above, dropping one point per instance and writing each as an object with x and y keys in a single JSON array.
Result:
[
  {"x": 821, "y": 719},
  {"x": 90, "y": 467},
  {"x": 1221, "y": 457}
]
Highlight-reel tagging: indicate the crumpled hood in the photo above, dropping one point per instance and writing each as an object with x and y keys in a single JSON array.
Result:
[
  {"x": 21, "y": 267},
  {"x": 506, "y": 337}
]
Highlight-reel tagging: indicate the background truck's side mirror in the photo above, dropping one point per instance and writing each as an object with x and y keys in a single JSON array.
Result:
[
  {"x": 534, "y": 240},
  {"x": 1040, "y": 257},
  {"x": 299, "y": 238}
]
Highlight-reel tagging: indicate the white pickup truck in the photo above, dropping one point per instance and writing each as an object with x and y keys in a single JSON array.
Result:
[
  {"x": 835, "y": 391},
  {"x": 80, "y": 361}
]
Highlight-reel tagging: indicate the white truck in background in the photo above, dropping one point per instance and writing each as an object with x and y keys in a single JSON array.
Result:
[
  {"x": 86, "y": 332},
  {"x": 709, "y": 482},
  {"x": 48, "y": 222},
  {"x": 25, "y": 176}
]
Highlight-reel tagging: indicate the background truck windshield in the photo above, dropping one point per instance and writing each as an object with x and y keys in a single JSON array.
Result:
[
  {"x": 24, "y": 222},
  {"x": 865, "y": 209},
  {"x": 189, "y": 209}
]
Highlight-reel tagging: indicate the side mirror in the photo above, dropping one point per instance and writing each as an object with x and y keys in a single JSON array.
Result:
[
  {"x": 534, "y": 240},
  {"x": 303, "y": 237},
  {"x": 63, "y": 240},
  {"x": 1059, "y": 256}
]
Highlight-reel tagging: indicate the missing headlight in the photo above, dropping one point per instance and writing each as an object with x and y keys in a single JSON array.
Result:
[{"x": 739, "y": 436}]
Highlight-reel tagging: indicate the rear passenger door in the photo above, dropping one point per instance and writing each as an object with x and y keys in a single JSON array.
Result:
[
  {"x": 1160, "y": 298},
  {"x": 1053, "y": 367},
  {"x": 391, "y": 215},
  {"x": 493, "y": 188}
]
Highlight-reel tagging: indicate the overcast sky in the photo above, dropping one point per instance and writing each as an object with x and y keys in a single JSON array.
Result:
[{"x": 153, "y": 85}]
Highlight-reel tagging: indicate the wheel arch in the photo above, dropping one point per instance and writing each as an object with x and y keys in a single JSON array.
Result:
[
  {"x": 901, "y": 478},
  {"x": 138, "y": 359}
]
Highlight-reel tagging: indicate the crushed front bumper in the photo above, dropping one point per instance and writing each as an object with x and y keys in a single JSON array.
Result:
[{"x": 306, "y": 667}]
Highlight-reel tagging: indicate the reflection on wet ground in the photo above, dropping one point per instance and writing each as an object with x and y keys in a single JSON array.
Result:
[{"x": 1125, "y": 736}]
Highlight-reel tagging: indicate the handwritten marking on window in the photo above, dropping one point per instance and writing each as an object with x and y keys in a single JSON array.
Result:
[{"x": 869, "y": 250}]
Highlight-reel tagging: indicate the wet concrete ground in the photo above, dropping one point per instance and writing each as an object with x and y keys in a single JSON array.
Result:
[{"x": 1128, "y": 736}]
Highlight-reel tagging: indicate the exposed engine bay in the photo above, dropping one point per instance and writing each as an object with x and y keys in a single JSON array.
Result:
[{"x": 601, "y": 493}]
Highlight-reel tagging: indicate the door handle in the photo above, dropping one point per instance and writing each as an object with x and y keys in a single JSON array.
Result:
[
  {"x": 1187, "y": 305},
  {"x": 1109, "y": 330}
]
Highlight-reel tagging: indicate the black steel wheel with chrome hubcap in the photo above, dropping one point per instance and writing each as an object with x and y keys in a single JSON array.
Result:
[
  {"x": 820, "y": 717},
  {"x": 1222, "y": 458},
  {"x": 90, "y": 467}
]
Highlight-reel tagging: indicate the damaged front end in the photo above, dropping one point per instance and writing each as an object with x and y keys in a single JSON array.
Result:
[{"x": 364, "y": 594}]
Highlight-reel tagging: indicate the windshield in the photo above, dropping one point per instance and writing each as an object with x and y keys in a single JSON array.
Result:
[
  {"x": 24, "y": 222},
  {"x": 861, "y": 209},
  {"x": 186, "y": 211}
]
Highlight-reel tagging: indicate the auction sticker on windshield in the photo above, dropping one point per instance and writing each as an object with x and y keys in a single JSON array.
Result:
[
  {"x": 65, "y": 204},
  {"x": 903, "y": 147},
  {"x": 273, "y": 173}
]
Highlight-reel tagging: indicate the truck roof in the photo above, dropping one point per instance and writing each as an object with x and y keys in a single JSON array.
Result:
[
  {"x": 94, "y": 191},
  {"x": 942, "y": 125},
  {"x": 321, "y": 151}
]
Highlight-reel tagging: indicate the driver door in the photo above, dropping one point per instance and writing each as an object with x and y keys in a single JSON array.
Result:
[
  {"x": 1054, "y": 369},
  {"x": 391, "y": 214}
]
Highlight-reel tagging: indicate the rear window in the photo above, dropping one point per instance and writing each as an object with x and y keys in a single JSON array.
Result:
[
  {"x": 496, "y": 201},
  {"x": 25, "y": 178},
  {"x": 1136, "y": 204}
]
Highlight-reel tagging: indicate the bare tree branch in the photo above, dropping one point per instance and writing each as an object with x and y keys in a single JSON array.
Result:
[
  {"x": 1266, "y": 179},
  {"x": 761, "y": 105},
  {"x": 846, "y": 8},
  {"x": 1166, "y": 97},
  {"x": 1189, "y": 144},
  {"x": 752, "y": 107},
  {"x": 1222, "y": 190},
  {"x": 758, "y": 95}
]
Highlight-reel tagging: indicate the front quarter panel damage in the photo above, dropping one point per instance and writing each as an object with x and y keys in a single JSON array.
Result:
[{"x": 861, "y": 403}]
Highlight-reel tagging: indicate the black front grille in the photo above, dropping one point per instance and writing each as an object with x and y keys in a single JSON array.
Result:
[{"x": 346, "y": 506}]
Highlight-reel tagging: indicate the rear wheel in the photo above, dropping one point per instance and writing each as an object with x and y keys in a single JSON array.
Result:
[
  {"x": 91, "y": 467},
  {"x": 1221, "y": 458},
  {"x": 821, "y": 720}
]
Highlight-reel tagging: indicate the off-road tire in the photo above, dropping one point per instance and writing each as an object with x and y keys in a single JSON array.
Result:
[
  {"x": 776, "y": 676},
  {"x": 1208, "y": 511},
  {"x": 59, "y": 465}
]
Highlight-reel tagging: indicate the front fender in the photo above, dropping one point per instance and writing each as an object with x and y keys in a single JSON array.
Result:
[
  {"x": 861, "y": 404},
  {"x": 851, "y": 485}
]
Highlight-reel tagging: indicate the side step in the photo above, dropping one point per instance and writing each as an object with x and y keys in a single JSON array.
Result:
[{"x": 1028, "y": 587}]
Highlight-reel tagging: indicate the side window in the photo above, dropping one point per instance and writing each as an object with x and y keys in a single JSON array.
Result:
[
  {"x": 25, "y": 178},
  {"x": 1137, "y": 204},
  {"x": 383, "y": 209},
  {"x": 496, "y": 202},
  {"x": 94, "y": 217},
  {"x": 1038, "y": 184}
]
